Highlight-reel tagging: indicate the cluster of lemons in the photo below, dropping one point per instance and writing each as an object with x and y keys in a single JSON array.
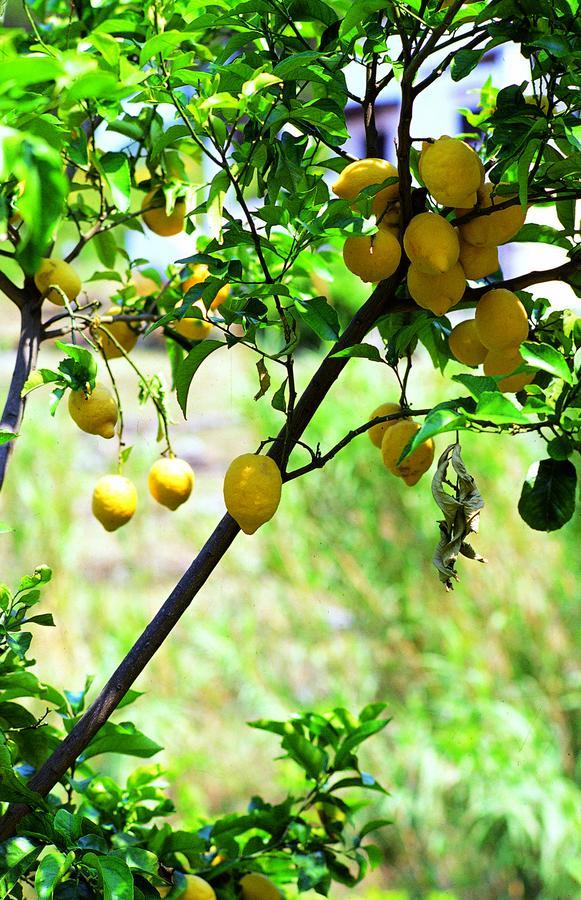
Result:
[
  {"x": 253, "y": 483},
  {"x": 253, "y": 886},
  {"x": 392, "y": 437}
]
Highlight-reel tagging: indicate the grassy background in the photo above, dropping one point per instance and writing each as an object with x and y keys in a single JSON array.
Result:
[{"x": 333, "y": 602}]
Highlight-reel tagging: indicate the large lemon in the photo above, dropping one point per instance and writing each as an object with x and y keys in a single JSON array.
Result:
[
  {"x": 504, "y": 362},
  {"x": 252, "y": 489},
  {"x": 199, "y": 274},
  {"x": 194, "y": 329},
  {"x": 157, "y": 220},
  {"x": 59, "y": 273},
  {"x": 438, "y": 293},
  {"x": 494, "y": 228},
  {"x": 196, "y": 889},
  {"x": 393, "y": 444},
  {"x": 478, "y": 262},
  {"x": 451, "y": 171},
  {"x": 376, "y": 432},
  {"x": 94, "y": 412},
  {"x": 431, "y": 244},
  {"x": 171, "y": 481},
  {"x": 501, "y": 320},
  {"x": 465, "y": 345},
  {"x": 374, "y": 257},
  {"x": 362, "y": 174},
  {"x": 123, "y": 332},
  {"x": 114, "y": 501},
  {"x": 255, "y": 886}
]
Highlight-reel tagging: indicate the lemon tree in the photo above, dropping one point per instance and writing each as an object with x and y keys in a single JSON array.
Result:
[{"x": 229, "y": 123}]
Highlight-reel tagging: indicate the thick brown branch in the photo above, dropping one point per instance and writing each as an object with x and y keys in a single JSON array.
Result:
[
  {"x": 201, "y": 568},
  {"x": 13, "y": 292},
  {"x": 25, "y": 361},
  {"x": 527, "y": 279}
]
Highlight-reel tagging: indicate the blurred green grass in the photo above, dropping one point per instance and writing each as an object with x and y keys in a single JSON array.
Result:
[{"x": 333, "y": 602}]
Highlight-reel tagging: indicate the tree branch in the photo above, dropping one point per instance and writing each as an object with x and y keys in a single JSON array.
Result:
[
  {"x": 527, "y": 279},
  {"x": 26, "y": 354},
  {"x": 13, "y": 292},
  {"x": 201, "y": 568}
]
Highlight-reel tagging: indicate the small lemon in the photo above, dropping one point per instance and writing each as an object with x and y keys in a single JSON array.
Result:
[
  {"x": 504, "y": 362},
  {"x": 124, "y": 333},
  {"x": 258, "y": 887},
  {"x": 394, "y": 442},
  {"x": 157, "y": 220},
  {"x": 194, "y": 329},
  {"x": 95, "y": 412},
  {"x": 114, "y": 501},
  {"x": 362, "y": 174},
  {"x": 501, "y": 320},
  {"x": 478, "y": 262},
  {"x": 376, "y": 432},
  {"x": 438, "y": 293},
  {"x": 252, "y": 489},
  {"x": 451, "y": 171},
  {"x": 495, "y": 228},
  {"x": 465, "y": 345},
  {"x": 431, "y": 244},
  {"x": 199, "y": 274},
  {"x": 196, "y": 889},
  {"x": 171, "y": 481},
  {"x": 60, "y": 273},
  {"x": 372, "y": 258}
]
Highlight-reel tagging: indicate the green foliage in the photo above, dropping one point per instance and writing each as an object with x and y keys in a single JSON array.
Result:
[{"x": 95, "y": 837}]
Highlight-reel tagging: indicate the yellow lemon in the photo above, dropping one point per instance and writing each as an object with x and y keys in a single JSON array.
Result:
[
  {"x": 95, "y": 412},
  {"x": 465, "y": 345},
  {"x": 123, "y": 332},
  {"x": 194, "y": 329},
  {"x": 362, "y": 174},
  {"x": 199, "y": 274},
  {"x": 171, "y": 481},
  {"x": 451, "y": 171},
  {"x": 252, "y": 489},
  {"x": 437, "y": 292},
  {"x": 258, "y": 887},
  {"x": 495, "y": 228},
  {"x": 478, "y": 262},
  {"x": 431, "y": 244},
  {"x": 504, "y": 362},
  {"x": 541, "y": 102},
  {"x": 144, "y": 286},
  {"x": 374, "y": 257},
  {"x": 393, "y": 443},
  {"x": 196, "y": 889},
  {"x": 59, "y": 273},
  {"x": 157, "y": 220},
  {"x": 114, "y": 501},
  {"x": 376, "y": 432},
  {"x": 501, "y": 320}
]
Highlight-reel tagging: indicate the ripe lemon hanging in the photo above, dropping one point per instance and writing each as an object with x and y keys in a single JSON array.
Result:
[
  {"x": 114, "y": 501},
  {"x": 200, "y": 274},
  {"x": 451, "y": 171},
  {"x": 157, "y": 220},
  {"x": 60, "y": 273},
  {"x": 503, "y": 362},
  {"x": 194, "y": 329},
  {"x": 362, "y": 174},
  {"x": 465, "y": 345},
  {"x": 495, "y": 228},
  {"x": 374, "y": 257},
  {"x": 394, "y": 442},
  {"x": 376, "y": 432},
  {"x": 195, "y": 889},
  {"x": 478, "y": 262},
  {"x": 94, "y": 412},
  {"x": 255, "y": 886},
  {"x": 171, "y": 481},
  {"x": 123, "y": 332},
  {"x": 431, "y": 244},
  {"x": 438, "y": 293},
  {"x": 252, "y": 489},
  {"x": 501, "y": 320}
]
